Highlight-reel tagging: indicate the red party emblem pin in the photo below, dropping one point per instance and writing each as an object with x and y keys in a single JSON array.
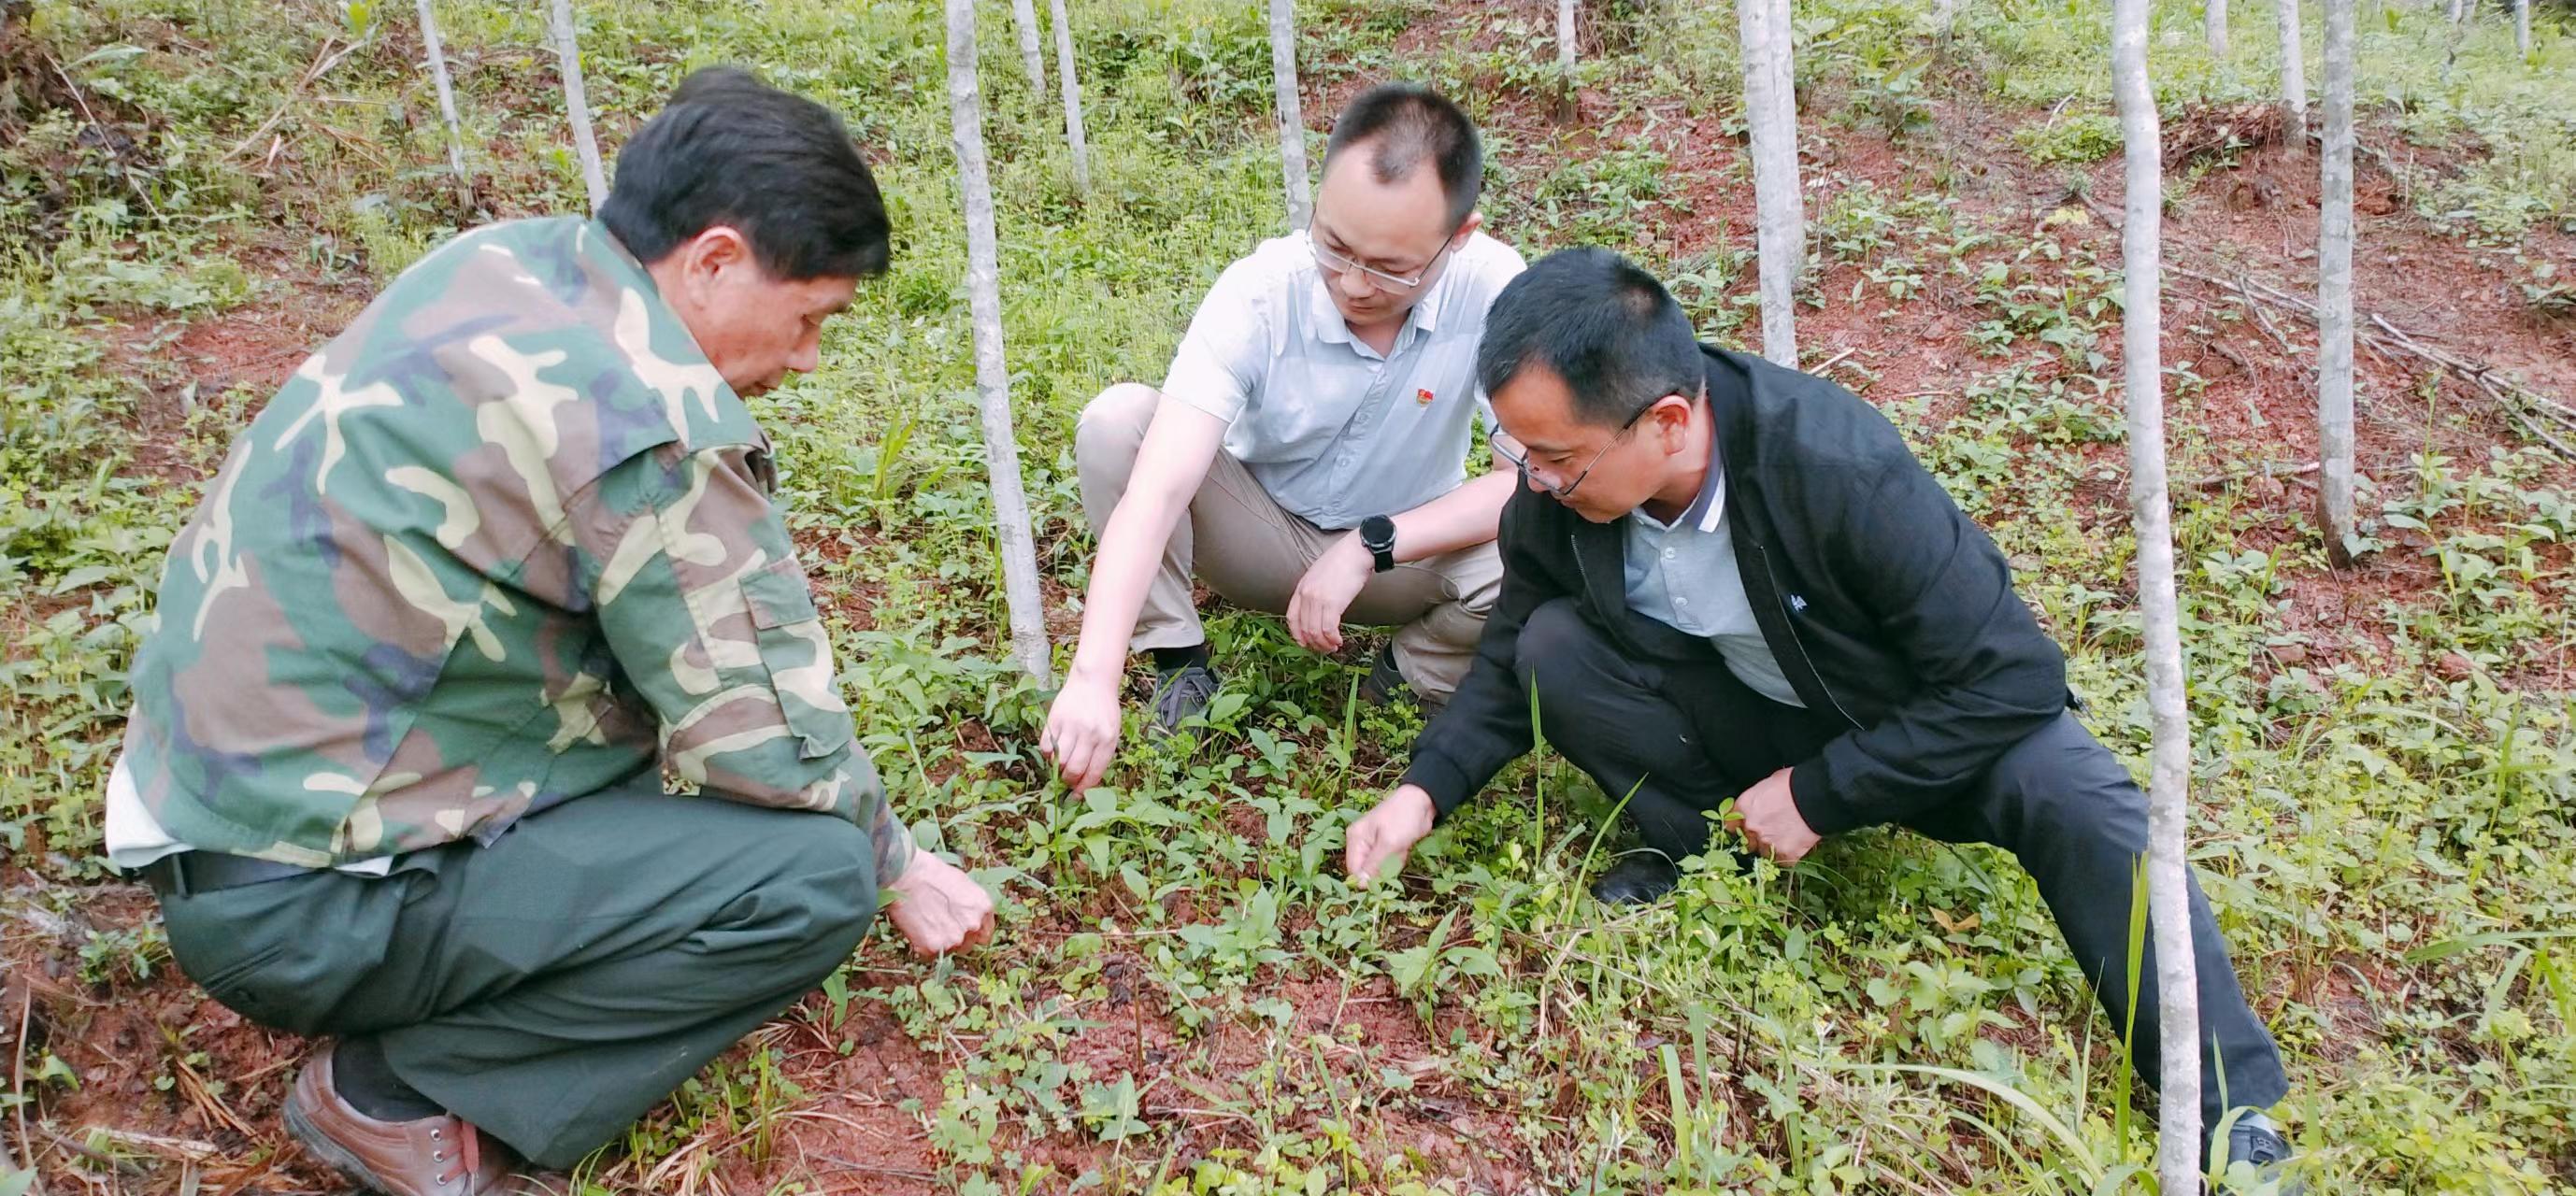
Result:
[{"x": 1422, "y": 396}]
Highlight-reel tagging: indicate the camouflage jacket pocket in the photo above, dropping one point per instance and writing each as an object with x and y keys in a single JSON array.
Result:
[{"x": 797, "y": 651}]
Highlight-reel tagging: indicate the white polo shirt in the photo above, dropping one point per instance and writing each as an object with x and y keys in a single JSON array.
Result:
[{"x": 1334, "y": 430}]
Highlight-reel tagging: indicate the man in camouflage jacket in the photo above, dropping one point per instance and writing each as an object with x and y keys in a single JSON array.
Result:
[{"x": 492, "y": 572}]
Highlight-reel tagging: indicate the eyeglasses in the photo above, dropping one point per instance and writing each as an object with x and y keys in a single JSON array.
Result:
[
  {"x": 1518, "y": 454},
  {"x": 1393, "y": 282}
]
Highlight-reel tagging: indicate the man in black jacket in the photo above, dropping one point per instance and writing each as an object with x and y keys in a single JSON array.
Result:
[{"x": 1728, "y": 580}]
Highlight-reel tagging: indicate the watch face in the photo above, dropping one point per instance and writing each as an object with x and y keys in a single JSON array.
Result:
[{"x": 1377, "y": 532}]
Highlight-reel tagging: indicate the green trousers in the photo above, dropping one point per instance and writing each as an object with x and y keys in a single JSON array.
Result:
[{"x": 550, "y": 988}]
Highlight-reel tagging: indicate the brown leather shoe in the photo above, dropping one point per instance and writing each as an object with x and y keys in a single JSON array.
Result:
[{"x": 433, "y": 1156}]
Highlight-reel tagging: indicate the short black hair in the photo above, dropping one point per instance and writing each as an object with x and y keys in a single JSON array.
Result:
[
  {"x": 729, "y": 149},
  {"x": 1407, "y": 124},
  {"x": 1607, "y": 328}
]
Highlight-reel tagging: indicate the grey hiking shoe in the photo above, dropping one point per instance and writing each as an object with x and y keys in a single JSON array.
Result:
[
  {"x": 2257, "y": 1143},
  {"x": 1182, "y": 694}
]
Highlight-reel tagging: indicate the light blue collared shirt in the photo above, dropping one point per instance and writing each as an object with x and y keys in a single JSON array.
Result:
[{"x": 1683, "y": 574}]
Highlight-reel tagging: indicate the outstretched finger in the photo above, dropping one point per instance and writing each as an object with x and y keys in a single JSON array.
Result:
[
  {"x": 1087, "y": 766},
  {"x": 1359, "y": 859}
]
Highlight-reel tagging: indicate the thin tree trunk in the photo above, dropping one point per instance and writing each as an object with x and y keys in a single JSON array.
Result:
[
  {"x": 1024, "y": 21},
  {"x": 992, "y": 376},
  {"x": 2168, "y": 805},
  {"x": 1771, "y": 112},
  {"x": 1565, "y": 103},
  {"x": 1292, "y": 120},
  {"x": 2334, "y": 292},
  {"x": 1072, "y": 97},
  {"x": 2463, "y": 15},
  {"x": 2294, "y": 73},
  {"x": 2522, "y": 28},
  {"x": 577, "y": 105},
  {"x": 447, "y": 110},
  {"x": 1945, "y": 16},
  {"x": 2214, "y": 24}
]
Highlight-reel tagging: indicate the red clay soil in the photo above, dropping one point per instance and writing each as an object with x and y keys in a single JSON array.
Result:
[
  {"x": 2255, "y": 217},
  {"x": 251, "y": 348},
  {"x": 850, "y": 1133}
]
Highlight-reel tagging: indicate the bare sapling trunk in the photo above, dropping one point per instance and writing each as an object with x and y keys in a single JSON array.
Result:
[
  {"x": 2522, "y": 28},
  {"x": 2150, "y": 506},
  {"x": 1771, "y": 113},
  {"x": 1945, "y": 17},
  {"x": 447, "y": 110},
  {"x": 992, "y": 376},
  {"x": 2334, "y": 292},
  {"x": 1292, "y": 119},
  {"x": 1072, "y": 97},
  {"x": 2294, "y": 73},
  {"x": 1565, "y": 105},
  {"x": 2214, "y": 25},
  {"x": 1024, "y": 22},
  {"x": 585, "y": 142}
]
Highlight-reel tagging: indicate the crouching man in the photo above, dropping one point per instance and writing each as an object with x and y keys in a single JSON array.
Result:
[
  {"x": 1724, "y": 580},
  {"x": 493, "y": 574},
  {"x": 1308, "y": 454}
]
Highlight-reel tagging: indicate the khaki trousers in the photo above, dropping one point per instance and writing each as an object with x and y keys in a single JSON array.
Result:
[{"x": 1252, "y": 552}]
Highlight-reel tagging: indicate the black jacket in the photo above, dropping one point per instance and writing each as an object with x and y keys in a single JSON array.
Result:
[{"x": 1888, "y": 609}]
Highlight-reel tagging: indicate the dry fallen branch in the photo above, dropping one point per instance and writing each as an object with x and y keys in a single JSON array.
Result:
[
  {"x": 2215, "y": 131},
  {"x": 323, "y": 60},
  {"x": 2527, "y": 408},
  {"x": 106, "y": 138}
]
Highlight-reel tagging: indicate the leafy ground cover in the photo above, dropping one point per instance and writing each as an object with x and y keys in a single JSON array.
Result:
[{"x": 1187, "y": 998}]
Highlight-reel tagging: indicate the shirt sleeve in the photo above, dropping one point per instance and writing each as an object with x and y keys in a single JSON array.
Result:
[
  {"x": 1222, "y": 358},
  {"x": 700, "y": 596}
]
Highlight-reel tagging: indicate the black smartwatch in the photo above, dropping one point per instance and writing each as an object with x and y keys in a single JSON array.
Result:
[{"x": 1377, "y": 534}]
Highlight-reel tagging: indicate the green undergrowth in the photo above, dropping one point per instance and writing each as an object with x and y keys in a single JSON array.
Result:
[{"x": 2381, "y": 791}]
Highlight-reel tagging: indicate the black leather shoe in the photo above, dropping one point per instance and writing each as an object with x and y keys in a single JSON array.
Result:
[
  {"x": 1639, "y": 879},
  {"x": 2257, "y": 1143},
  {"x": 1385, "y": 682}
]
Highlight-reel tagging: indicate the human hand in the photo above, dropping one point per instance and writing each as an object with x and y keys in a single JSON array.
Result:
[
  {"x": 1769, "y": 818},
  {"x": 939, "y": 908},
  {"x": 1081, "y": 734},
  {"x": 1377, "y": 843},
  {"x": 1326, "y": 590}
]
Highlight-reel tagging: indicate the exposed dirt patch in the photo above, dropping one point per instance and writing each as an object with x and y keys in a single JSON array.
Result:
[
  {"x": 168, "y": 1081},
  {"x": 251, "y": 348},
  {"x": 2252, "y": 213}
]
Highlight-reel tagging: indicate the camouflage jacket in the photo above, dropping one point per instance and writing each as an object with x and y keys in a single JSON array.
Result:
[{"x": 506, "y": 541}]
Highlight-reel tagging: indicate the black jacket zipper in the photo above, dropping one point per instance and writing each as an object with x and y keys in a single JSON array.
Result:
[{"x": 1789, "y": 628}]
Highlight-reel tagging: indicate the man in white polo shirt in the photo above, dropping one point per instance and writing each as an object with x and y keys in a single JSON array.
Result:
[{"x": 1314, "y": 430}]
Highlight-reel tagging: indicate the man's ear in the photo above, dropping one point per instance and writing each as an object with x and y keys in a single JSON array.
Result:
[
  {"x": 1466, "y": 228},
  {"x": 1671, "y": 414},
  {"x": 716, "y": 248}
]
